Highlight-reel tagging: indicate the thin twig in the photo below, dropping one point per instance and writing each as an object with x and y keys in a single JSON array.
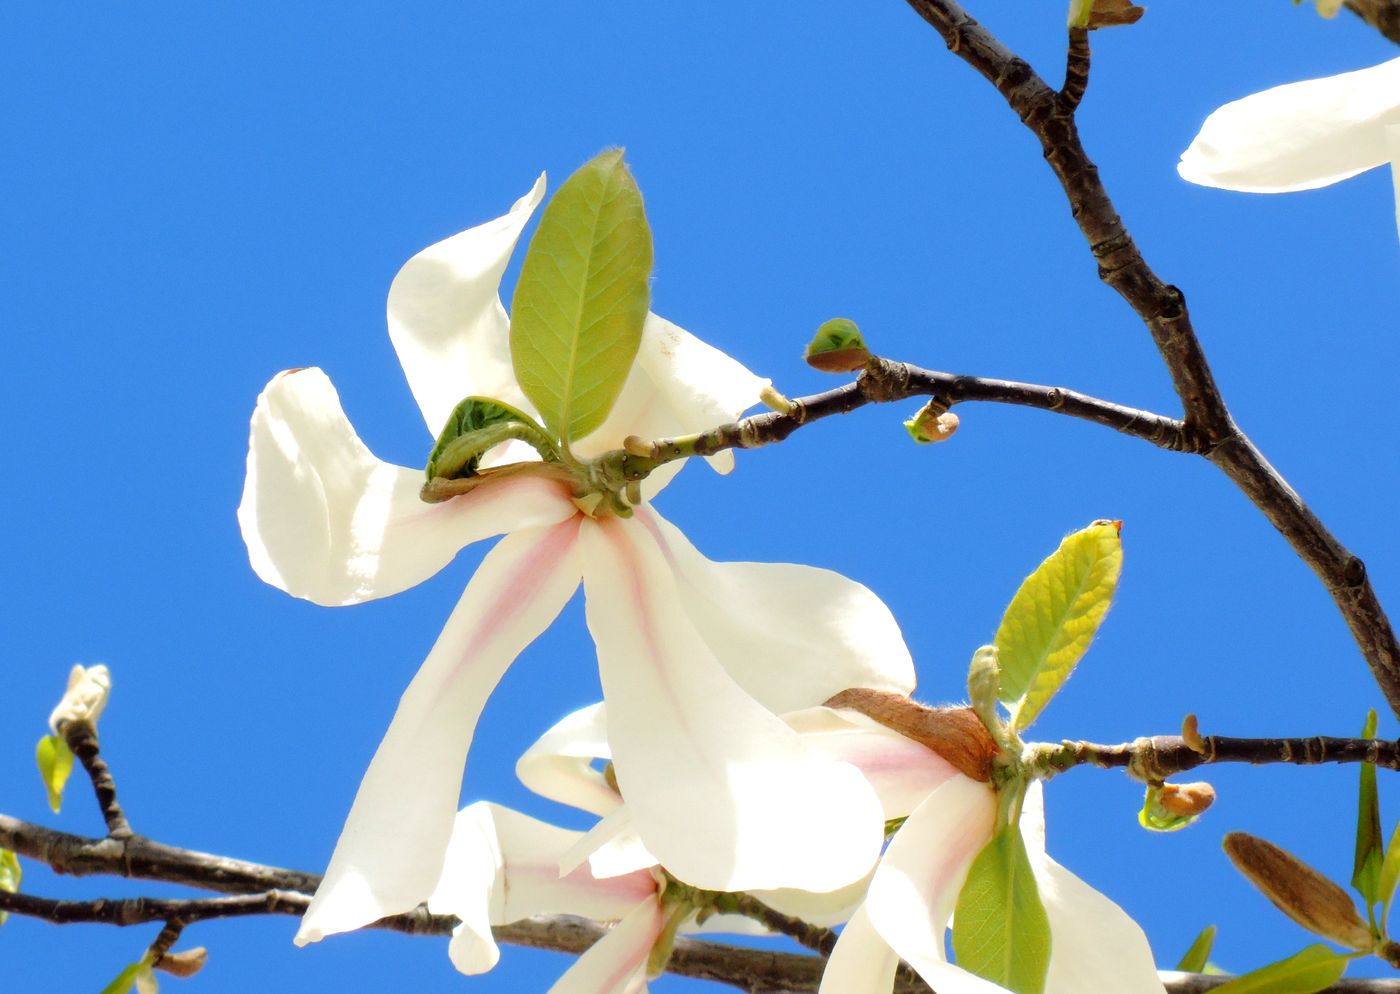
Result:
[
  {"x": 814, "y": 937},
  {"x": 81, "y": 737},
  {"x": 1076, "y": 69},
  {"x": 1162, "y": 308}
]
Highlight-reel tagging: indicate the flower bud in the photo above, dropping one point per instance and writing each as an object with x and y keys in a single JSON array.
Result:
[
  {"x": 1186, "y": 800},
  {"x": 85, "y": 698},
  {"x": 933, "y": 423},
  {"x": 1299, "y": 891},
  {"x": 837, "y": 347}
]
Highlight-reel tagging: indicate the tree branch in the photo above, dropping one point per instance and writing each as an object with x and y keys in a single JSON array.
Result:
[
  {"x": 1383, "y": 15},
  {"x": 1162, "y": 308}
]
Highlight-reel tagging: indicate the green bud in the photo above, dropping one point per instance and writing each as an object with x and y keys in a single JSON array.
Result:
[
  {"x": 933, "y": 423},
  {"x": 837, "y": 347}
]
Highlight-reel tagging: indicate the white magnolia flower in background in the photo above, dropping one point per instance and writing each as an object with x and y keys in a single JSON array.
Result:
[
  {"x": 1301, "y": 136},
  {"x": 694, "y": 656},
  {"x": 503, "y": 866},
  {"x": 1094, "y": 945}
]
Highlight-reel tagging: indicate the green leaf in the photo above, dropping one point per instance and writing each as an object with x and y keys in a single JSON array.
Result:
[
  {"x": 1197, "y": 958},
  {"x": 124, "y": 981},
  {"x": 1000, "y": 930},
  {"x": 1366, "y": 869},
  {"x": 1390, "y": 873},
  {"x": 837, "y": 347},
  {"x": 10, "y": 874},
  {"x": 475, "y": 425},
  {"x": 582, "y": 298},
  {"x": 1054, "y": 616},
  {"x": 55, "y": 761},
  {"x": 1311, "y": 970}
]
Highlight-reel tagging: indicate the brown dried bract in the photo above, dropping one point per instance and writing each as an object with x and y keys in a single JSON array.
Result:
[
  {"x": 1114, "y": 13},
  {"x": 956, "y": 734},
  {"x": 1298, "y": 890}
]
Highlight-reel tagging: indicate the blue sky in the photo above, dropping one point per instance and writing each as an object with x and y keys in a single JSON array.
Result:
[{"x": 195, "y": 198}]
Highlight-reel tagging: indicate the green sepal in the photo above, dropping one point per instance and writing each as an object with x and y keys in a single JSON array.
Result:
[
  {"x": 1311, "y": 970},
  {"x": 837, "y": 347},
  {"x": 10, "y": 875},
  {"x": 1155, "y": 818},
  {"x": 476, "y": 425},
  {"x": 1197, "y": 957},
  {"x": 582, "y": 298},
  {"x": 55, "y": 762},
  {"x": 1000, "y": 929},
  {"x": 1366, "y": 868},
  {"x": 1054, "y": 616}
]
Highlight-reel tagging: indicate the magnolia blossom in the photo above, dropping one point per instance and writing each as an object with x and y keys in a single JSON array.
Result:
[
  {"x": 694, "y": 656},
  {"x": 1094, "y": 945},
  {"x": 1301, "y": 136},
  {"x": 503, "y": 866}
]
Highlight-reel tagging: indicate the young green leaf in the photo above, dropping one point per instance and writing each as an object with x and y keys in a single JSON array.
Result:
[
  {"x": 10, "y": 874},
  {"x": 1390, "y": 874},
  {"x": 55, "y": 761},
  {"x": 1000, "y": 930},
  {"x": 1053, "y": 617},
  {"x": 475, "y": 425},
  {"x": 124, "y": 981},
  {"x": 1311, "y": 970},
  {"x": 1198, "y": 956},
  {"x": 1366, "y": 869},
  {"x": 582, "y": 298}
]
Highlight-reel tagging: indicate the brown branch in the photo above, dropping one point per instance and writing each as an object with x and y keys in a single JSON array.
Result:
[
  {"x": 1162, "y": 308},
  {"x": 81, "y": 737},
  {"x": 1383, "y": 15}
]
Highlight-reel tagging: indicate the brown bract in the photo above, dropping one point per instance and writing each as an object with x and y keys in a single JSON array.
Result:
[
  {"x": 1299, "y": 891},
  {"x": 956, "y": 734}
]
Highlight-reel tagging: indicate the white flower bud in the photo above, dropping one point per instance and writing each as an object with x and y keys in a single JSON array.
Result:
[{"x": 85, "y": 698}]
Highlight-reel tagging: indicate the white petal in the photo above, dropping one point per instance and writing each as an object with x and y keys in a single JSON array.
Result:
[
  {"x": 446, "y": 320},
  {"x": 616, "y": 963},
  {"x": 467, "y": 888},
  {"x": 902, "y": 772},
  {"x": 861, "y": 963},
  {"x": 1033, "y": 820},
  {"x": 678, "y": 386},
  {"x": 559, "y": 765},
  {"x": 611, "y": 847},
  {"x": 916, "y": 884},
  {"x": 390, "y": 853},
  {"x": 325, "y": 520},
  {"x": 792, "y": 636},
  {"x": 1298, "y": 136},
  {"x": 723, "y": 793},
  {"x": 828, "y": 909},
  {"x": 1094, "y": 945}
]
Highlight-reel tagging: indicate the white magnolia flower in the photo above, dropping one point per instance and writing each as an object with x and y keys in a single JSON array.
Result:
[
  {"x": 1301, "y": 136},
  {"x": 694, "y": 655},
  {"x": 503, "y": 866},
  {"x": 1094, "y": 945}
]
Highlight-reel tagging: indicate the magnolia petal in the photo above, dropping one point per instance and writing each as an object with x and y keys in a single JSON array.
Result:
[
  {"x": 391, "y": 850},
  {"x": 826, "y": 909},
  {"x": 1033, "y": 819},
  {"x": 467, "y": 888},
  {"x": 559, "y": 765},
  {"x": 1092, "y": 940},
  {"x": 616, "y": 827},
  {"x": 446, "y": 320},
  {"x": 679, "y": 385},
  {"x": 723, "y": 793},
  {"x": 616, "y": 963},
  {"x": 325, "y": 520},
  {"x": 902, "y": 771},
  {"x": 916, "y": 885},
  {"x": 861, "y": 963},
  {"x": 1299, "y": 136},
  {"x": 792, "y": 636}
]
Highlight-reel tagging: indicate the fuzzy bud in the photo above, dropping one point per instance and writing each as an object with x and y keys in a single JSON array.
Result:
[
  {"x": 84, "y": 699},
  {"x": 956, "y": 734},
  {"x": 1299, "y": 891}
]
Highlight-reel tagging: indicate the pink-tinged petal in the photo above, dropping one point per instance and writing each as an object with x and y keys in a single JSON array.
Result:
[
  {"x": 325, "y": 520},
  {"x": 390, "y": 853},
  {"x": 616, "y": 963},
  {"x": 916, "y": 884},
  {"x": 559, "y": 765},
  {"x": 902, "y": 771},
  {"x": 723, "y": 793},
  {"x": 861, "y": 963},
  {"x": 468, "y": 889},
  {"x": 446, "y": 320},
  {"x": 792, "y": 636},
  {"x": 1299, "y": 136},
  {"x": 679, "y": 385}
]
